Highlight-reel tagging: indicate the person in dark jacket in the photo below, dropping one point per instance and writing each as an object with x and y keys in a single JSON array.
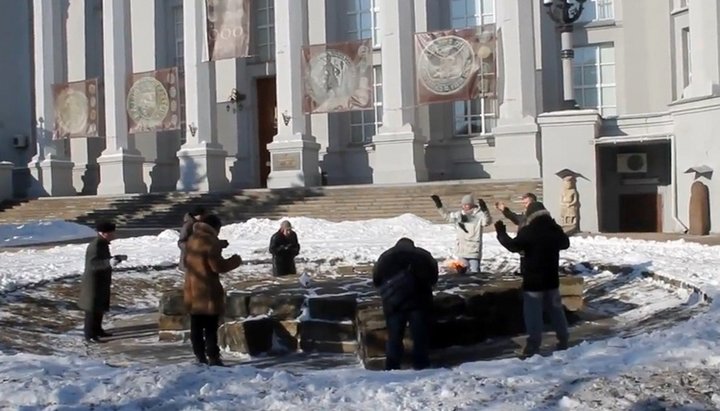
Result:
[
  {"x": 515, "y": 218},
  {"x": 541, "y": 240},
  {"x": 203, "y": 293},
  {"x": 405, "y": 275},
  {"x": 284, "y": 247},
  {"x": 189, "y": 220},
  {"x": 96, "y": 280}
]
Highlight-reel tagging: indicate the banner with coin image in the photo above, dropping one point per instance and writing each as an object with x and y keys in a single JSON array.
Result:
[
  {"x": 78, "y": 109},
  {"x": 153, "y": 101},
  {"x": 228, "y": 28},
  {"x": 338, "y": 77},
  {"x": 456, "y": 65}
]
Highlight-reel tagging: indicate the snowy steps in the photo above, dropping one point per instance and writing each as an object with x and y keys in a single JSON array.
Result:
[
  {"x": 360, "y": 202},
  {"x": 344, "y": 316}
]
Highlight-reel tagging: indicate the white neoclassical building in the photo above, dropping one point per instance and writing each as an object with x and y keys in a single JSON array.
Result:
[{"x": 648, "y": 127}]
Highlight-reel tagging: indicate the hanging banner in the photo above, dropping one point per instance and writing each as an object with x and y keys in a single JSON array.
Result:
[
  {"x": 153, "y": 101},
  {"x": 228, "y": 28},
  {"x": 456, "y": 65},
  {"x": 338, "y": 77},
  {"x": 78, "y": 109}
]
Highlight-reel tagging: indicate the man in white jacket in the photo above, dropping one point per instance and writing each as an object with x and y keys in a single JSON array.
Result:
[{"x": 469, "y": 222}]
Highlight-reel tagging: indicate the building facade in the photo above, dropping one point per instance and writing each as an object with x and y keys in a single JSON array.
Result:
[{"x": 645, "y": 99}]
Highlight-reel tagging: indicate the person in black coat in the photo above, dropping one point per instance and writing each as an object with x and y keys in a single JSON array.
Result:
[
  {"x": 284, "y": 247},
  {"x": 540, "y": 240},
  {"x": 405, "y": 275},
  {"x": 96, "y": 280}
]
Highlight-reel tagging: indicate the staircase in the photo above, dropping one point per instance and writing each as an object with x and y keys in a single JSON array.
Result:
[{"x": 335, "y": 203}]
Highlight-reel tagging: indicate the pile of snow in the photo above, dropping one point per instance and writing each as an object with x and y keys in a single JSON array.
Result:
[
  {"x": 552, "y": 382},
  {"x": 12, "y": 235}
]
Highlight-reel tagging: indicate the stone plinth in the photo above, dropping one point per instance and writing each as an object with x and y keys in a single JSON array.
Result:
[{"x": 345, "y": 315}]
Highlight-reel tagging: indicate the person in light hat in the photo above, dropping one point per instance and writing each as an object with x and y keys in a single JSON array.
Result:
[{"x": 469, "y": 222}]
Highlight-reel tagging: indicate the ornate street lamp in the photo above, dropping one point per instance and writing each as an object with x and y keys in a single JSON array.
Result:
[{"x": 564, "y": 13}]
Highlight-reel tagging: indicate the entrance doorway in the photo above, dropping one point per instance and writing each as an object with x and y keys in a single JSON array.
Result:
[
  {"x": 640, "y": 213},
  {"x": 267, "y": 123}
]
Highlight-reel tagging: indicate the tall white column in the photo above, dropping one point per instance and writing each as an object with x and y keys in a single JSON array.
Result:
[
  {"x": 705, "y": 49},
  {"x": 294, "y": 151},
  {"x": 50, "y": 168},
  {"x": 399, "y": 151},
  {"x": 516, "y": 133},
  {"x": 120, "y": 164},
  {"x": 202, "y": 158}
]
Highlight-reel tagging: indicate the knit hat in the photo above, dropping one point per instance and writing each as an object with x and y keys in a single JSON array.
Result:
[
  {"x": 468, "y": 199},
  {"x": 534, "y": 207}
]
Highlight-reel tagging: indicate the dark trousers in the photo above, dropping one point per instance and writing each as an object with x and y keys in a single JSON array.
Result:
[
  {"x": 203, "y": 335},
  {"x": 396, "y": 323},
  {"x": 93, "y": 324}
]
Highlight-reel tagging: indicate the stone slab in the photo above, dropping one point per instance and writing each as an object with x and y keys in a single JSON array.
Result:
[
  {"x": 573, "y": 302},
  {"x": 333, "y": 308},
  {"x": 278, "y": 306},
  {"x": 236, "y": 305},
  {"x": 342, "y": 347},
  {"x": 571, "y": 285},
  {"x": 173, "y": 322},
  {"x": 174, "y": 336},
  {"x": 172, "y": 303},
  {"x": 327, "y": 331},
  {"x": 254, "y": 336}
]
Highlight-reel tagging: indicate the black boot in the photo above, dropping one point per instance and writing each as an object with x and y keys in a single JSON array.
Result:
[{"x": 215, "y": 362}]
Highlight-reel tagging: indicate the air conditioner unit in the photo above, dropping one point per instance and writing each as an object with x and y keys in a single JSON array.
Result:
[
  {"x": 632, "y": 163},
  {"x": 20, "y": 141}
]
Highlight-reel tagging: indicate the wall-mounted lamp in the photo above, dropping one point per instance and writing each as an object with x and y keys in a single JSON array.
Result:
[
  {"x": 286, "y": 117},
  {"x": 235, "y": 100},
  {"x": 193, "y": 129}
]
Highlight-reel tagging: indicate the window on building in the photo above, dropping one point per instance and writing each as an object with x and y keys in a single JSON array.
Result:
[
  {"x": 366, "y": 123},
  {"x": 686, "y": 56},
  {"x": 362, "y": 20},
  {"x": 598, "y": 10},
  {"x": 264, "y": 29},
  {"x": 478, "y": 116},
  {"x": 594, "y": 78},
  {"x": 178, "y": 36}
]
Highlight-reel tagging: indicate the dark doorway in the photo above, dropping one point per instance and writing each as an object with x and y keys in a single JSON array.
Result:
[
  {"x": 267, "y": 124},
  {"x": 640, "y": 213}
]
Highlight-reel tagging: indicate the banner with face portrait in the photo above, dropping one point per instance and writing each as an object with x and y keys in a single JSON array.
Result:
[
  {"x": 228, "y": 28},
  {"x": 78, "y": 109},
  {"x": 153, "y": 101},
  {"x": 338, "y": 77},
  {"x": 456, "y": 65}
]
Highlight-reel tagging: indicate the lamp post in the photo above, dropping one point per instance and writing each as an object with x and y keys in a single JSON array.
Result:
[{"x": 564, "y": 13}]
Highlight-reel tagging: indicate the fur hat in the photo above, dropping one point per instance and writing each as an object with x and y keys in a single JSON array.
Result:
[
  {"x": 467, "y": 199},
  {"x": 534, "y": 207}
]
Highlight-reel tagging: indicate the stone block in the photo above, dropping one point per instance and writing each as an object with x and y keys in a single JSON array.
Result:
[
  {"x": 370, "y": 317},
  {"x": 279, "y": 306},
  {"x": 173, "y": 336},
  {"x": 172, "y": 303},
  {"x": 573, "y": 302},
  {"x": 341, "y": 347},
  {"x": 285, "y": 336},
  {"x": 448, "y": 305},
  {"x": 335, "y": 308},
  {"x": 173, "y": 322},
  {"x": 252, "y": 337},
  {"x": 327, "y": 331},
  {"x": 236, "y": 305},
  {"x": 373, "y": 342},
  {"x": 571, "y": 285},
  {"x": 457, "y": 331}
]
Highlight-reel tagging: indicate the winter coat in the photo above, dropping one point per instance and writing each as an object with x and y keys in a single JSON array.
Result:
[
  {"x": 405, "y": 275},
  {"x": 284, "y": 249},
  {"x": 185, "y": 233},
  {"x": 469, "y": 230},
  {"x": 541, "y": 240},
  {"x": 517, "y": 219},
  {"x": 203, "y": 293},
  {"x": 97, "y": 277}
]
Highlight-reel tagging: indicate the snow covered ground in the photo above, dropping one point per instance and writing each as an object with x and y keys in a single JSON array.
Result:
[{"x": 666, "y": 367}]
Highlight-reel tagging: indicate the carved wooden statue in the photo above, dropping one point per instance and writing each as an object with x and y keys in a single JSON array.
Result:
[
  {"x": 569, "y": 205},
  {"x": 699, "y": 209}
]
